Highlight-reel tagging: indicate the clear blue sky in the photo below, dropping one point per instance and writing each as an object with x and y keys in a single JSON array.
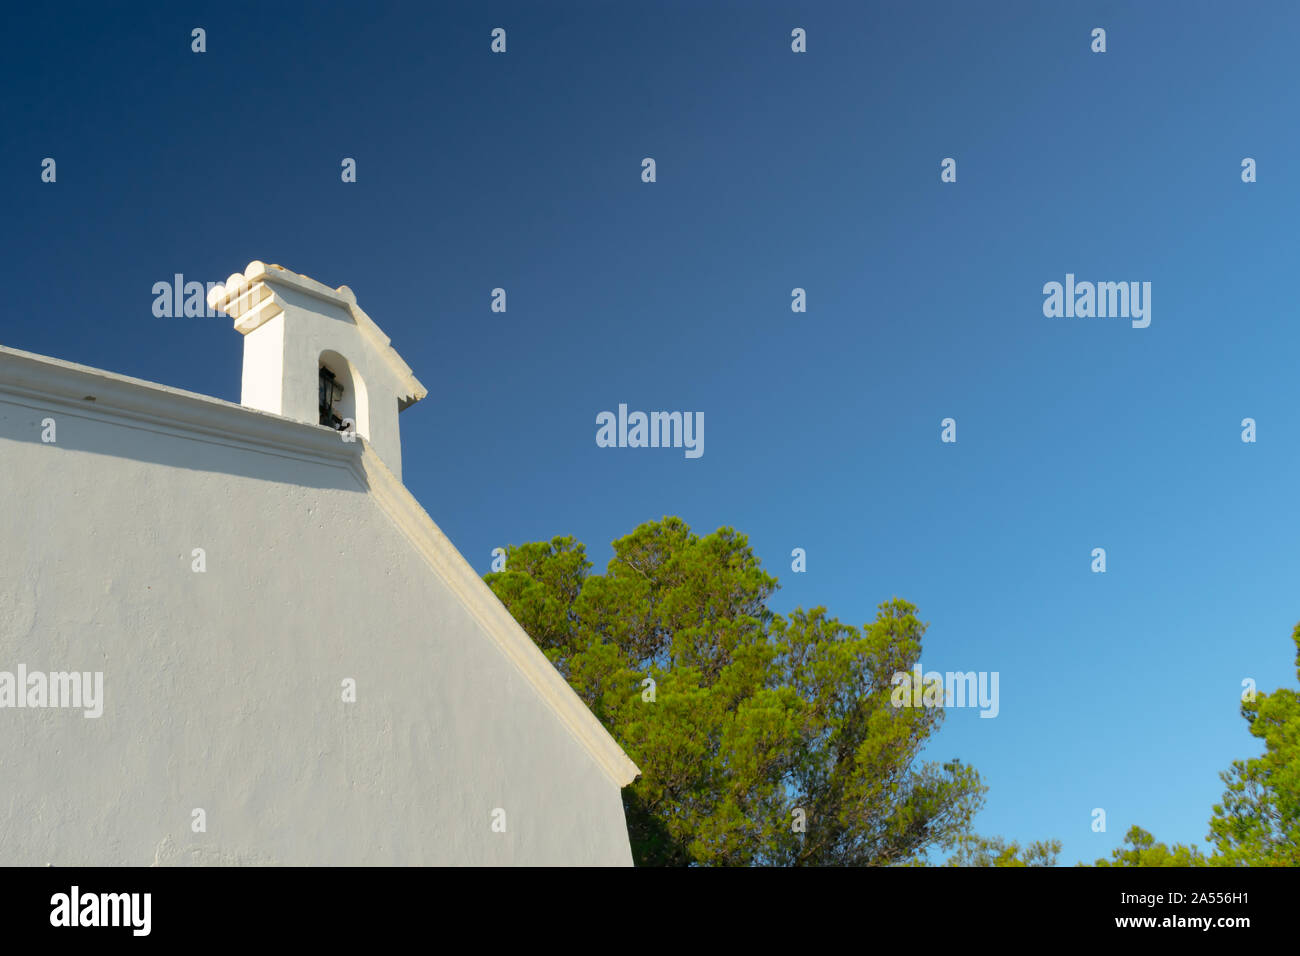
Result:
[{"x": 775, "y": 170}]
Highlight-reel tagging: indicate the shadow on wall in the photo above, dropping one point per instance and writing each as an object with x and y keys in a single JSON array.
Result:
[{"x": 79, "y": 432}]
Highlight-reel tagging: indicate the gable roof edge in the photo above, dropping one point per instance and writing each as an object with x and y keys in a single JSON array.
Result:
[{"x": 397, "y": 502}]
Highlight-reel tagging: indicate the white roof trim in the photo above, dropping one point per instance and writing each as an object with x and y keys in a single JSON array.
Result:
[{"x": 93, "y": 393}]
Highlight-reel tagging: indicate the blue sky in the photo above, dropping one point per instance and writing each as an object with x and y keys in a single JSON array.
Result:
[{"x": 775, "y": 171}]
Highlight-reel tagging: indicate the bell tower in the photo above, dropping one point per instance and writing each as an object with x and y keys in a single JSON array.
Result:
[{"x": 312, "y": 354}]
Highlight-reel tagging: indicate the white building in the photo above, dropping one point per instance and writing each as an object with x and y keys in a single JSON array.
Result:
[{"x": 297, "y": 666}]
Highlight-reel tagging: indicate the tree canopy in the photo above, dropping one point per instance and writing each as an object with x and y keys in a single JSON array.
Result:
[
  {"x": 761, "y": 738},
  {"x": 1258, "y": 821},
  {"x": 771, "y": 739}
]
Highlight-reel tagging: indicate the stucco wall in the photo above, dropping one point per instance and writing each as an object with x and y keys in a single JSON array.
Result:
[{"x": 223, "y": 689}]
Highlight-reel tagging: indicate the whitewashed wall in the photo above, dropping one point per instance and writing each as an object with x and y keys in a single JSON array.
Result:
[{"x": 223, "y": 689}]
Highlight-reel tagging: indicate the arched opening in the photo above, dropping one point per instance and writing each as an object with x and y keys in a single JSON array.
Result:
[{"x": 343, "y": 394}]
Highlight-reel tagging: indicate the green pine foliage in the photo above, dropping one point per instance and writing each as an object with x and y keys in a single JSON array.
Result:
[
  {"x": 764, "y": 739},
  {"x": 1258, "y": 821}
]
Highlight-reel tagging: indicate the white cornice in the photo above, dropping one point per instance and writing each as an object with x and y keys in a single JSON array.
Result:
[
  {"x": 42, "y": 382},
  {"x": 249, "y": 298},
  {"x": 94, "y": 393}
]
